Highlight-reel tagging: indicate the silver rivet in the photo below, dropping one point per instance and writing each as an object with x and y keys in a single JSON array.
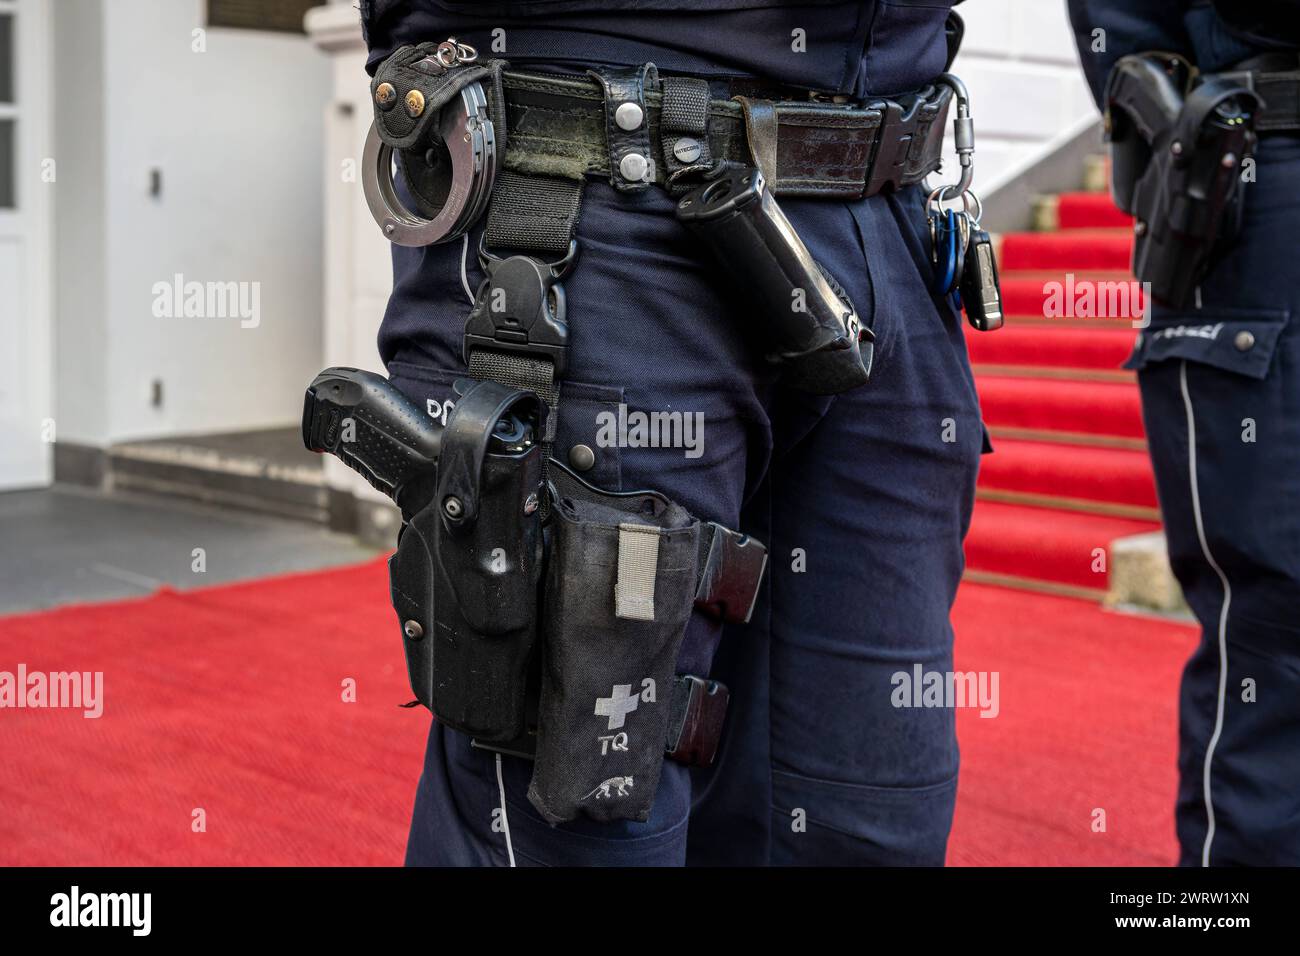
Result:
[
  {"x": 453, "y": 507},
  {"x": 628, "y": 116},
  {"x": 633, "y": 167},
  {"x": 1176, "y": 148},
  {"x": 1229, "y": 160},
  {"x": 1139, "y": 228},
  {"x": 582, "y": 458},
  {"x": 686, "y": 149},
  {"x": 413, "y": 630},
  {"x": 530, "y": 503},
  {"x": 1245, "y": 341}
]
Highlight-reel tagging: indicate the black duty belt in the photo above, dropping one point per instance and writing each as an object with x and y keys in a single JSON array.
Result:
[
  {"x": 1276, "y": 78},
  {"x": 558, "y": 127}
]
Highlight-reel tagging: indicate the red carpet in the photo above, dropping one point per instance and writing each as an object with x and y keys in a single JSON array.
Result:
[
  {"x": 1081, "y": 472},
  {"x": 1093, "y": 349},
  {"x": 1094, "y": 408},
  {"x": 1073, "y": 250},
  {"x": 1070, "y": 472},
  {"x": 1088, "y": 721},
  {"x": 229, "y": 700},
  {"x": 1090, "y": 211}
]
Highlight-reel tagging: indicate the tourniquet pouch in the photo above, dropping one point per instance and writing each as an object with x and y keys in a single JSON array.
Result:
[{"x": 620, "y": 586}]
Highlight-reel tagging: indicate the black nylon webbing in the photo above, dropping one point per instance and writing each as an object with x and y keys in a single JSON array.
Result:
[
  {"x": 520, "y": 371},
  {"x": 684, "y": 112},
  {"x": 536, "y": 214},
  {"x": 533, "y": 213}
]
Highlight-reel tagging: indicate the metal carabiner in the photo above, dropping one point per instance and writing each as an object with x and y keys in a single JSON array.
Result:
[{"x": 963, "y": 131}]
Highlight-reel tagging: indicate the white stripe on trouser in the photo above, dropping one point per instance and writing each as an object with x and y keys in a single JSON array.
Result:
[
  {"x": 1223, "y": 614},
  {"x": 505, "y": 820},
  {"x": 464, "y": 279}
]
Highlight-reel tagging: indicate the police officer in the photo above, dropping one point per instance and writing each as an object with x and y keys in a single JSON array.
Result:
[
  {"x": 863, "y": 498},
  {"x": 1221, "y": 402}
]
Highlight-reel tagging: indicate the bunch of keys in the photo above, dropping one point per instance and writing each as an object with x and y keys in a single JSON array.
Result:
[{"x": 964, "y": 267}]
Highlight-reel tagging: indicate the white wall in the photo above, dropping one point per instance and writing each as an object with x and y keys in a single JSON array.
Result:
[
  {"x": 80, "y": 308},
  {"x": 1027, "y": 90},
  {"x": 358, "y": 271},
  {"x": 236, "y": 132}
]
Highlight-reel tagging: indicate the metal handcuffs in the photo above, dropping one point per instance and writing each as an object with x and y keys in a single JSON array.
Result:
[{"x": 470, "y": 141}]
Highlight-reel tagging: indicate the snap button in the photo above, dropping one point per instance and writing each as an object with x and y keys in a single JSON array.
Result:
[
  {"x": 633, "y": 166},
  {"x": 628, "y": 116},
  {"x": 414, "y": 103},
  {"x": 582, "y": 458},
  {"x": 686, "y": 150},
  {"x": 385, "y": 96},
  {"x": 1245, "y": 341}
]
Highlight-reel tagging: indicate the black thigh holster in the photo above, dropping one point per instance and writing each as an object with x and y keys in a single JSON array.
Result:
[
  {"x": 559, "y": 641},
  {"x": 466, "y": 572}
]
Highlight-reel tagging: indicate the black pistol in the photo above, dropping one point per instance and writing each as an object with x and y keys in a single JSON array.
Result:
[{"x": 375, "y": 430}]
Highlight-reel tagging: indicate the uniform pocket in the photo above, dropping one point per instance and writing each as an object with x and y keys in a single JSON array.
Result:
[
  {"x": 1236, "y": 340},
  {"x": 583, "y": 409}
]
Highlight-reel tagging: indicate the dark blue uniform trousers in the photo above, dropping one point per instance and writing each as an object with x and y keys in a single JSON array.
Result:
[
  {"x": 1221, "y": 398},
  {"x": 863, "y": 500}
]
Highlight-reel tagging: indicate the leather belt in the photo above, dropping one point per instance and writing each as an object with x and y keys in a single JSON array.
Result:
[
  {"x": 1276, "y": 78},
  {"x": 557, "y": 127}
]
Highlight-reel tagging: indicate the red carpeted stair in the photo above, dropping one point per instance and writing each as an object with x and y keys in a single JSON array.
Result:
[
  {"x": 1070, "y": 472},
  {"x": 1090, "y": 211}
]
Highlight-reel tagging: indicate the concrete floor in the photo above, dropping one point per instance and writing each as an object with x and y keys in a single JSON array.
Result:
[{"x": 63, "y": 545}]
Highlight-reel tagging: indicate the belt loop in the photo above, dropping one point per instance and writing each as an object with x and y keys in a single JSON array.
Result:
[
  {"x": 627, "y": 124},
  {"x": 684, "y": 131},
  {"x": 761, "y": 134}
]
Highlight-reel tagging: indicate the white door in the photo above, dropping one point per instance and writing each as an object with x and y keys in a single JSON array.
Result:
[{"x": 27, "y": 426}]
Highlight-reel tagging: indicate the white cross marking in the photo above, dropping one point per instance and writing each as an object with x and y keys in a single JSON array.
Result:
[{"x": 618, "y": 705}]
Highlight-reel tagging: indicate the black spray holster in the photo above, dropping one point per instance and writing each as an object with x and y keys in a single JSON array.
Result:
[
  {"x": 1178, "y": 145},
  {"x": 553, "y": 639},
  {"x": 806, "y": 322}
]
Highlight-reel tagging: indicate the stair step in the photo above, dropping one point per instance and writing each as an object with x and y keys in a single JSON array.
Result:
[
  {"x": 1090, "y": 211},
  {"x": 1082, "y": 300},
  {"x": 1065, "y": 347},
  {"x": 1076, "y": 250},
  {"x": 1102, "y": 480},
  {"x": 265, "y": 471},
  {"x": 1087, "y": 408},
  {"x": 1096, "y": 173},
  {"x": 1015, "y": 543}
]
